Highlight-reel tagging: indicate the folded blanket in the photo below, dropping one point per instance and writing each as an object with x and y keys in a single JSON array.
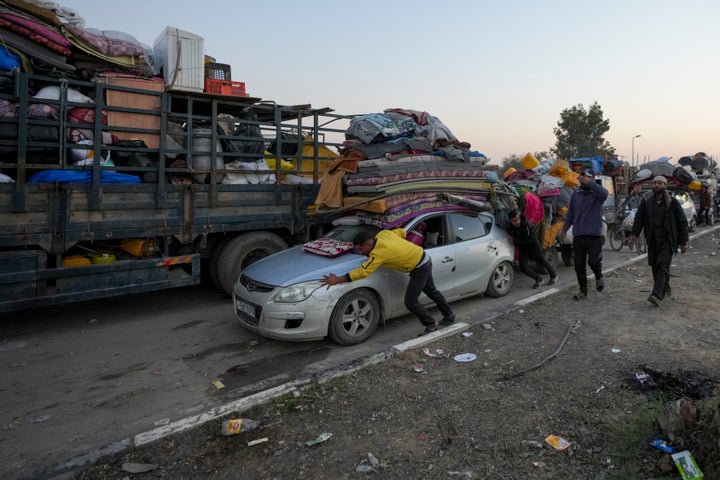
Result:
[{"x": 328, "y": 247}]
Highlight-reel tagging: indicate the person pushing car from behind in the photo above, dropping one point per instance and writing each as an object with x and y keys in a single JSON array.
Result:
[{"x": 391, "y": 249}]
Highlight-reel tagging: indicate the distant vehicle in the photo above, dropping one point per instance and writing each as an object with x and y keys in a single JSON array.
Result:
[
  {"x": 280, "y": 296},
  {"x": 688, "y": 206}
]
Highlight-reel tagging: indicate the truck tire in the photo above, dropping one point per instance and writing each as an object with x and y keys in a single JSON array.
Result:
[
  {"x": 215, "y": 260},
  {"x": 354, "y": 318},
  {"x": 239, "y": 252}
]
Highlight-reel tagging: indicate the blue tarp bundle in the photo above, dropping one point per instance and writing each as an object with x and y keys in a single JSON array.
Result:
[{"x": 77, "y": 176}]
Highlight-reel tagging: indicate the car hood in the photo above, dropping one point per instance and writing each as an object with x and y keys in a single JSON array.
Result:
[{"x": 296, "y": 265}]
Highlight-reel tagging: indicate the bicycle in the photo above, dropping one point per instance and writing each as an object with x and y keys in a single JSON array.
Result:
[{"x": 619, "y": 235}]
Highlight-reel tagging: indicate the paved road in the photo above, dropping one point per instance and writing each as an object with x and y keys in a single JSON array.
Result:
[{"x": 81, "y": 381}]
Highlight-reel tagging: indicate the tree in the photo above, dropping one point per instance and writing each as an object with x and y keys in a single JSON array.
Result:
[{"x": 580, "y": 133}]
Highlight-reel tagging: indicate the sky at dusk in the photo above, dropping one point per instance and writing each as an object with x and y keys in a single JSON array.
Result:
[{"x": 498, "y": 74}]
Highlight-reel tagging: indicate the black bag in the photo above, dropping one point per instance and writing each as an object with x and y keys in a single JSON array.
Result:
[
  {"x": 682, "y": 175},
  {"x": 131, "y": 158},
  {"x": 250, "y": 139},
  {"x": 289, "y": 145}
]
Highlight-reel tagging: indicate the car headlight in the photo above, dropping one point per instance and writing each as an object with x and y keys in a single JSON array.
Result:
[{"x": 296, "y": 293}]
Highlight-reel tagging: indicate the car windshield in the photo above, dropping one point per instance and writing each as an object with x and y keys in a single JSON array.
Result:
[{"x": 347, "y": 233}]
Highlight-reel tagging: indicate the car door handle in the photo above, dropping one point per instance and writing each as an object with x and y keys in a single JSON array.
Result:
[{"x": 447, "y": 259}]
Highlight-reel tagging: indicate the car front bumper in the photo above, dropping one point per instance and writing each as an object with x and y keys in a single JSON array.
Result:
[{"x": 301, "y": 321}]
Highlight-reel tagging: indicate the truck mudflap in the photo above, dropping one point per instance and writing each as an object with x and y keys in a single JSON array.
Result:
[{"x": 25, "y": 282}]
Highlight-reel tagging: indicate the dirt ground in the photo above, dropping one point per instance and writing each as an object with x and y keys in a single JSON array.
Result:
[{"x": 489, "y": 418}]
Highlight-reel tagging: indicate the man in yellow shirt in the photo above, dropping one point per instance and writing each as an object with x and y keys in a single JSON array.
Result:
[{"x": 389, "y": 248}]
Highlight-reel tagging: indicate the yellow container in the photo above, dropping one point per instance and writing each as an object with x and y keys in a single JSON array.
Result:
[
  {"x": 571, "y": 179},
  {"x": 559, "y": 168},
  {"x": 139, "y": 247},
  {"x": 695, "y": 185},
  {"x": 529, "y": 161},
  {"x": 103, "y": 258},
  {"x": 76, "y": 261},
  {"x": 508, "y": 172}
]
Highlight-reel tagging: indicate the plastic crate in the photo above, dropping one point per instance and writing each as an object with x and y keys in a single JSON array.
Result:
[
  {"x": 217, "y": 71},
  {"x": 225, "y": 87}
]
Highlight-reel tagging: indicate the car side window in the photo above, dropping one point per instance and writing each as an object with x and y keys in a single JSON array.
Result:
[
  {"x": 435, "y": 231},
  {"x": 466, "y": 227}
]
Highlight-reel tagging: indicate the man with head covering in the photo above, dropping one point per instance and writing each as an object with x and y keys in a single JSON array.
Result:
[
  {"x": 584, "y": 215},
  {"x": 661, "y": 218}
]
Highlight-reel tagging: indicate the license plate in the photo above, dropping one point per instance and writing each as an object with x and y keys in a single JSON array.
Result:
[{"x": 246, "y": 310}]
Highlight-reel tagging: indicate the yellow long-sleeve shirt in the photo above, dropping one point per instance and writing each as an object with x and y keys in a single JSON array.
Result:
[{"x": 392, "y": 250}]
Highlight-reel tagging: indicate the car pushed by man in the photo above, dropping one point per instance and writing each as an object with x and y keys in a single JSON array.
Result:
[{"x": 283, "y": 296}]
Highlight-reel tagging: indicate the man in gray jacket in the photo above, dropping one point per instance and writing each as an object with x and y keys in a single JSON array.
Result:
[
  {"x": 584, "y": 215},
  {"x": 662, "y": 219}
]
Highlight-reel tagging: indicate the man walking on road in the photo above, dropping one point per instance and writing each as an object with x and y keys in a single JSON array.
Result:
[
  {"x": 585, "y": 217},
  {"x": 661, "y": 218}
]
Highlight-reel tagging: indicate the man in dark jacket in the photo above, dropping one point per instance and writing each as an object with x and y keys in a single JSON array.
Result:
[
  {"x": 663, "y": 221},
  {"x": 529, "y": 248},
  {"x": 584, "y": 215}
]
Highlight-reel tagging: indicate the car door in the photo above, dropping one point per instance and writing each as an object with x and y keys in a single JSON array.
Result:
[
  {"x": 475, "y": 251},
  {"x": 442, "y": 253}
]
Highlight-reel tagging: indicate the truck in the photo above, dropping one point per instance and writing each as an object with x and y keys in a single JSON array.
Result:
[{"x": 179, "y": 187}]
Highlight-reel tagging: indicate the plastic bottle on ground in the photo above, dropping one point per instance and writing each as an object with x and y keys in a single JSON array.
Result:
[{"x": 238, "y": 425}]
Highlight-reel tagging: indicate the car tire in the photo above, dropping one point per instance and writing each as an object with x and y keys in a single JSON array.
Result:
[
  {"x": 501, "y": 280},
  {"x": 239, "y": 252},
  {"x": 354, "y": 318}
]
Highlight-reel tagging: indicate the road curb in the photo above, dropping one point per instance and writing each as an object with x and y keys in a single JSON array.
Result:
[{"x": 65, "y": 468}]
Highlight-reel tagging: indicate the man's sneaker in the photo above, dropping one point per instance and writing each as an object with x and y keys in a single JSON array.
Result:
[
  {"x": 553, "y": 280},
  {"x": 447, "y": 320},
  {"x": 538, "y": 284},
  {"x": 600, "y": 284},
  {"x": 580, "y": 296},
  {"x": 654, "y": 300},
  {"x": 430, "y": 329}
]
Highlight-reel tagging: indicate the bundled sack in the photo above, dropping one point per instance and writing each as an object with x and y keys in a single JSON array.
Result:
[
  {"x": 658, "y": 168},
  {"x": 253, "y": 173}
]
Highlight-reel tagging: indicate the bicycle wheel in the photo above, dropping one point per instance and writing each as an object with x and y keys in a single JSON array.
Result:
[
  {"x": 640, "y": 244},
  {"x": 617, "y": 237}
]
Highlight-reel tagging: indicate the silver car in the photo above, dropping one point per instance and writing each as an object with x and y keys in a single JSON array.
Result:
[{"x": 280, "y": 296}]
